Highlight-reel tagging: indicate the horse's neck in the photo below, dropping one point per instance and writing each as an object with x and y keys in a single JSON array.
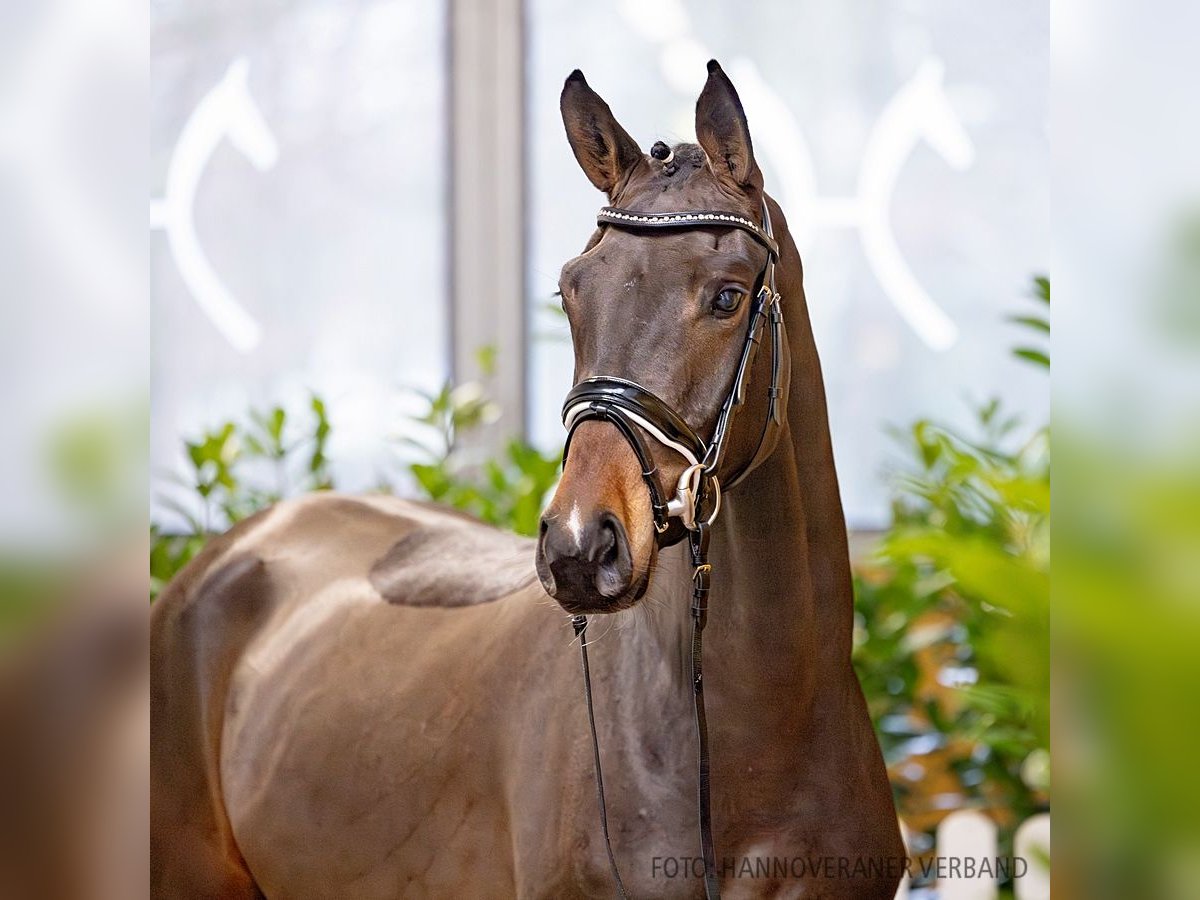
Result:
[{"x": 780, "y": 609}]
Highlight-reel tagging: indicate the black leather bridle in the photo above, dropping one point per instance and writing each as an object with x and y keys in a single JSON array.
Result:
[{"x": 637, "y": 414}]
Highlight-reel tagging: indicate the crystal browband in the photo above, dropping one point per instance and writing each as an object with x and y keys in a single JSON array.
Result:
[{"x": 610, "y": 215}]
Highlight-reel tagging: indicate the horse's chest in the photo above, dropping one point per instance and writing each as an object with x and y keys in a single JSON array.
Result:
[{"x": 655, "y": 837}]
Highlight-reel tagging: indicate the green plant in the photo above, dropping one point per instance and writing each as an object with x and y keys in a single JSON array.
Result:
[
  {"x": 952, "y": 616},
  {"x": 240, "y": 467},
  {"x": 169, "y": 553},
  {"x": 1038, "y": 323},
  {"x": 227, "y": 466},
  {"x": 236, "y": 469},
  {"x": 508, "y": 490}
]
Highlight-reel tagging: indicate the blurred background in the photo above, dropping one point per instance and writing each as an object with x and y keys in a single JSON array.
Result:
[{"x": 357, "y": 212}]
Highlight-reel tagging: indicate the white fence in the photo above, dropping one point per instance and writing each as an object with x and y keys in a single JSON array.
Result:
[{"x": 967, "y": 864}]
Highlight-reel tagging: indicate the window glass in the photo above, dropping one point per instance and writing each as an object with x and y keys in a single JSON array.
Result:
[
  {"x": 907, "y": 145},
  {"x": 298, "y": 224}
]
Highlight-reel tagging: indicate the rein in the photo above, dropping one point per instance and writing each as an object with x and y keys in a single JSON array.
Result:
[{"x": 633, "y": 410}]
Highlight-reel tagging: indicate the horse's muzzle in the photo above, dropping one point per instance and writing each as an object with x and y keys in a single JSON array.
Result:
[{"x": 585, "y": 565}]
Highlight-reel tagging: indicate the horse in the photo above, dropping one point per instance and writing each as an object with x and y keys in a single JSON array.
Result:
[{"x": 369, "y": 697}]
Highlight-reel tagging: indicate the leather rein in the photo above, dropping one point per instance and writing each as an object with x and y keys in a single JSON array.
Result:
[{"x": 636, "y": 412}]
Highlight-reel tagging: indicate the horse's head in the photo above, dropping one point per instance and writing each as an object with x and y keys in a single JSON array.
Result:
[{"x": 665, "y": 308}]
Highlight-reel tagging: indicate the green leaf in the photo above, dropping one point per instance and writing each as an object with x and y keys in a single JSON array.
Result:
[
  {"x": 1033, "y": 355},
  {"x": 317, "y": 461},
  {"x": 1034, "y": 322},
  {"x": 182, "y": 511},
  {"x": 419, "y": 445},
  {"x": 485, "y": 358},
  {"x": 496, "y": 476},
  {"x": 432, "y": 479},
  {"x": 255, "y": 446},
  {"x": 1041, "y": 288}
]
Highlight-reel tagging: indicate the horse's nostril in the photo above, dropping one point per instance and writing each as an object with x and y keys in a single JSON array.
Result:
[
  {"x": 585, "y": 564},
  {"x": 611, "y": 554},
  {"x": 606, "y": 549}
]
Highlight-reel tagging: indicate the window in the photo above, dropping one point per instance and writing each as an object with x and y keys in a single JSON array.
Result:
[
  {"x": 906, "y": 143},
  {"x": 306, "y": 197},
  {"x": 299, "y": 227}
]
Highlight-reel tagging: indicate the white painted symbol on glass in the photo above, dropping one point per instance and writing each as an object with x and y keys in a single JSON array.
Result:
[
  {"x": 919, "y": 111},
  {"x": 228, "y": 110}
]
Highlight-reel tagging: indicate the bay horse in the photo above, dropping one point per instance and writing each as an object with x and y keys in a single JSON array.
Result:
[{"x": 363, "y": 697}]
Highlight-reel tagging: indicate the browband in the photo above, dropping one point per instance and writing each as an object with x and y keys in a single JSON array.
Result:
[{"x": 628, "y": 218}]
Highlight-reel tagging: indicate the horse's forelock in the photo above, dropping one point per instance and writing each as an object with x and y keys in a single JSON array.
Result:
[{"x": 685, "y": 171}]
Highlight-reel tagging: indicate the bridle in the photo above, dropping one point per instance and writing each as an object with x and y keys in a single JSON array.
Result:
[
  {"x": 636, "y": 412},
  {"x": 631, "y": 407}
]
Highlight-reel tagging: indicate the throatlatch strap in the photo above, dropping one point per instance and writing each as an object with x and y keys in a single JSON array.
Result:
[{"x": 579, "y": 623}]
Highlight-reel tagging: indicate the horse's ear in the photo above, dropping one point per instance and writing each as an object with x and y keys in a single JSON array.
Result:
[
  {"x": 723, "y": 133},
  {"x": 605, "y": 151}
]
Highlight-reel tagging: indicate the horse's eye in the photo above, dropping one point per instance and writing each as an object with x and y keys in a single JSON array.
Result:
[{"x": 727, "y": 302}]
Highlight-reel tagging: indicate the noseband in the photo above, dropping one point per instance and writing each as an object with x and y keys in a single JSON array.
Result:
[{"x": 637, "y": 413}]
